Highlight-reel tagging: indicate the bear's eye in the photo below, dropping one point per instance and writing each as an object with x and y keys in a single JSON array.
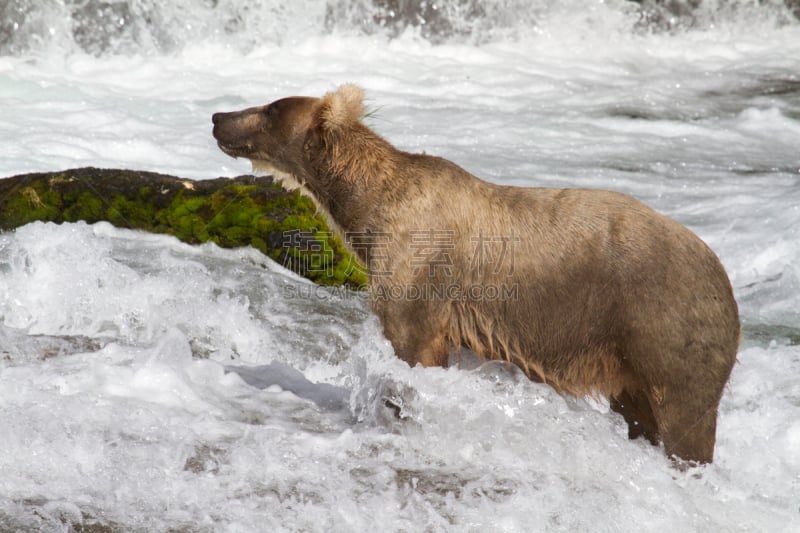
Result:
[{"x": 268, "y": 116}]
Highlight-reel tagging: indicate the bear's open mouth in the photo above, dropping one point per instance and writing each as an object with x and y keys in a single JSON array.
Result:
[{"x": 235, "y": 150}]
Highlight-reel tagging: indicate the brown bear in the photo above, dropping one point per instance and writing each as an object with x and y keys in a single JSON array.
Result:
[{"x": 589, "y": 291}]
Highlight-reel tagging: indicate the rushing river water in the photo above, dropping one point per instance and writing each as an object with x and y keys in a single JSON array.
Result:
[{"x": 147, "y": 385}]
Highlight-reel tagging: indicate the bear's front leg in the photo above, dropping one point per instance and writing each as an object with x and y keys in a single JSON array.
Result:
[{"x": 417, "y": 335}]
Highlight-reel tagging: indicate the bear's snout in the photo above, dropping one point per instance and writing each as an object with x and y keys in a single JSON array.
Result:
[
  {"x": 217, "y": 118},
  {"x": 225, "y": 125},
  {"x": 232, "y": 135}
]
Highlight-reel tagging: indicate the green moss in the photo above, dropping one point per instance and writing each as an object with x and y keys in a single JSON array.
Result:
[
  {"x": 259, "y": 244},
  {"x": 84, "y": 206},
  {"x": 190, "y": 228},
  {"x": 233, "y": 236},
  {"x": 243, "y": 211},
  {"x": 134, "y": 213},
  {"x": 192, "y": 205},
  {"x": 31, "y": 203}
]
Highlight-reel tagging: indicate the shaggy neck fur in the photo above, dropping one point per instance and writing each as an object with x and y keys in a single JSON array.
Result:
[
  {"x": 349, "y": 164},
  {"x": 290, "y": 182},
  {"x": 350, "y": 176}
]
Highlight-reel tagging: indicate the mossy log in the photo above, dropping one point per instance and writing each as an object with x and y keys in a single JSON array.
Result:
[{"x": 232, "y": 212}]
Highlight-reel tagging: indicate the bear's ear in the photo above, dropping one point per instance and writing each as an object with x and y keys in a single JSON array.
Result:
[{"x": 342, "y": 107}]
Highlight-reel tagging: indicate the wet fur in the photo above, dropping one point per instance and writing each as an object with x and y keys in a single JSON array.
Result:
[{"x": 613, "y": 298}]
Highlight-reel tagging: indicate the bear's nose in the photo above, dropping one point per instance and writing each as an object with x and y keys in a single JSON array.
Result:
[{"x": 217, "y": 118}]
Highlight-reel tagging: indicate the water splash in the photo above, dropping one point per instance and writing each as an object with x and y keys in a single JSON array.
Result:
[{"x": 151, "y": 27}]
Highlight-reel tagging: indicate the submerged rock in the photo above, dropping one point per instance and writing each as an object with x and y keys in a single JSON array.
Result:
[{"x": 231, "y": 212}]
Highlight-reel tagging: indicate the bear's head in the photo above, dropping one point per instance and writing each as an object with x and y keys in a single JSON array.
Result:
[
  {"x": 288, "y": 135},
  {"x": 318, "y": 145}
]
